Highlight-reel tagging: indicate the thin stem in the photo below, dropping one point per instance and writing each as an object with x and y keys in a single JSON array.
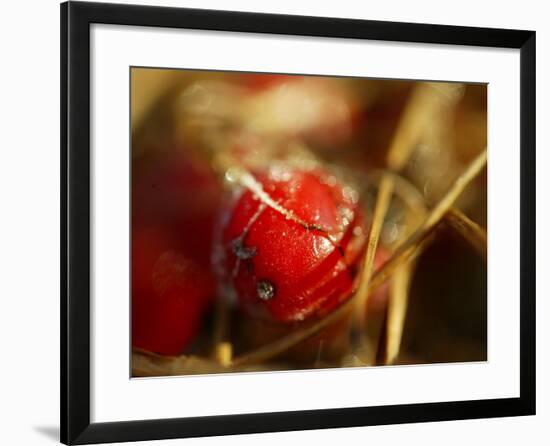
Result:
[
  {"x": 383, "y": 200},
  {"x": 397, "y": 310},
  {"x": 475, "y": 167},
  {"x": 470, "y": 230}
]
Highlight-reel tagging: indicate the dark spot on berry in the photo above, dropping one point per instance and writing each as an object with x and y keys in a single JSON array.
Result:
[{"x": 265, "y": 290}]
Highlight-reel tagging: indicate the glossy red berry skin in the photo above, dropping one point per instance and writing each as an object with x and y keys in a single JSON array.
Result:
[
  {"x": 174, "y": 207},
  {"x": 295, "y": 254}
]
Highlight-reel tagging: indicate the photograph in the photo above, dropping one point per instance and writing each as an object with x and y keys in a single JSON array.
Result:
[
  {"x": 297, "y": 221},
  {"x": 281, "y": 222}
]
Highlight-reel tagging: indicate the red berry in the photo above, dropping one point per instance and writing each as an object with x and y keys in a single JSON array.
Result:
[
  {"x": 170, "y": 292},
  {"x": 290, "y": 249},
  {"x": 174, "y": 206}
]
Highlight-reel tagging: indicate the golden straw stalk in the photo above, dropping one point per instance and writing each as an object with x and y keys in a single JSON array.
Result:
[
  {"x": 424, "y": 102},
  {"x": 397, "y": 310},
  {"x": 468, "y": 229}
]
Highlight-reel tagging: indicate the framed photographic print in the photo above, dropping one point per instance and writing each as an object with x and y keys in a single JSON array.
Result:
[{"x": 278, "y": 223}]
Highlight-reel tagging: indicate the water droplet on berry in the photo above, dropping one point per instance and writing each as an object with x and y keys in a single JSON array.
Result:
[
  {"x": 346, "y": 214},
  {"x": 350, "y": 194}
]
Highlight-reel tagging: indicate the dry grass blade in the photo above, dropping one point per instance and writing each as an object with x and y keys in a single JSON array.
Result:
[
  {"x": 456, "y": 189},
  {"x": 403, "y": 254},
  {"x": 470, "y": 230},
  {"x": 358, "y": 337},
  {"x": 397, "y": 310},
  {"x": 382, "y": 203}
]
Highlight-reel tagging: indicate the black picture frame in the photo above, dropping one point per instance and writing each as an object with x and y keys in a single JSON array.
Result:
[{"x": 76, "y": 18}]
